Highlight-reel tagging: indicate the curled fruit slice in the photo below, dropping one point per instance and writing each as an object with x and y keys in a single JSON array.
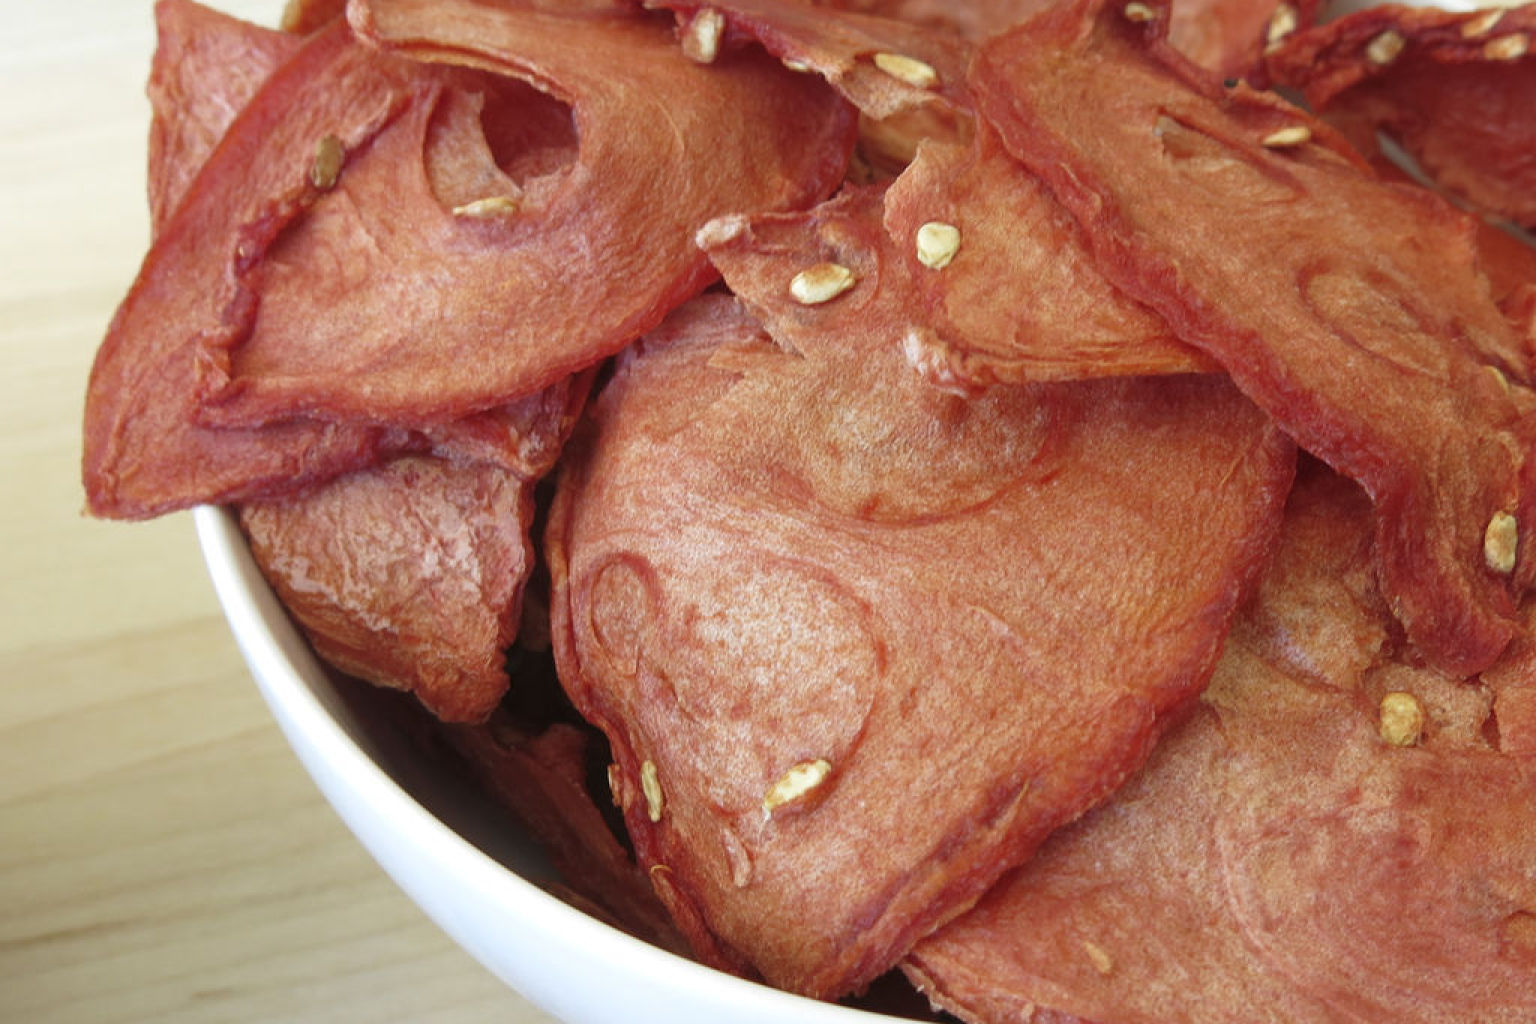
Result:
[
  {"x": 1455, "y": 90},
  {"x": 382, "y": 304},
  {"x": 1352, "y": 312}
]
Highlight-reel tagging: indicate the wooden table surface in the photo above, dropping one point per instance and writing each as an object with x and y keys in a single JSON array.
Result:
[{"x": 163, "y": 856}]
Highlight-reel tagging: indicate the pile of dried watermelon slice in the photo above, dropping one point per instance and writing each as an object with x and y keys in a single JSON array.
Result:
[{"x": 1033, "y": 496}]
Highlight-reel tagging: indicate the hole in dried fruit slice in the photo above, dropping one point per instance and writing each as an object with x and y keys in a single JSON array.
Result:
[{"x": 497, "y": 138}]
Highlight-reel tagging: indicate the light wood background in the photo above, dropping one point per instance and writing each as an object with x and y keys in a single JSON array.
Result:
[{"x": 163, "y": 856}]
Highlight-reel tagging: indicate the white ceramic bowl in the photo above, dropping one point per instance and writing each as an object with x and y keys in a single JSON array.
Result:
[{"x": 471, "y": 877}]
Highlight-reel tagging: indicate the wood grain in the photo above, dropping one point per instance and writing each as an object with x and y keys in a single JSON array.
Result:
[{"x": 163, "y": 856}]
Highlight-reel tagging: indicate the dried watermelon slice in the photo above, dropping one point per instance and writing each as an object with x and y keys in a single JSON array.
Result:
[
  {"x": 1226, "y": 36},
  {"x": 1350, "y": 310},
  {"x": 408, "y": 575},
  {"x": 386, "y": 304},
  {"x": 1230, "y": 37},
  {"x": 907, "y": 80},
  {"x": 1003, "y": 287},
  {"x": 144, "y": 453},
  {"x": 148, "y": 449},
  {"x": 1456, "y": 90},
  {"x": 999, "y": 287},
  {"x": 883, "y": 65},
  {"x": 789, "y": 575},
  {"x": 1281, "y": 859},
  {"x": 209, "y": 65},
  {"x": 354, "y": 558}
]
